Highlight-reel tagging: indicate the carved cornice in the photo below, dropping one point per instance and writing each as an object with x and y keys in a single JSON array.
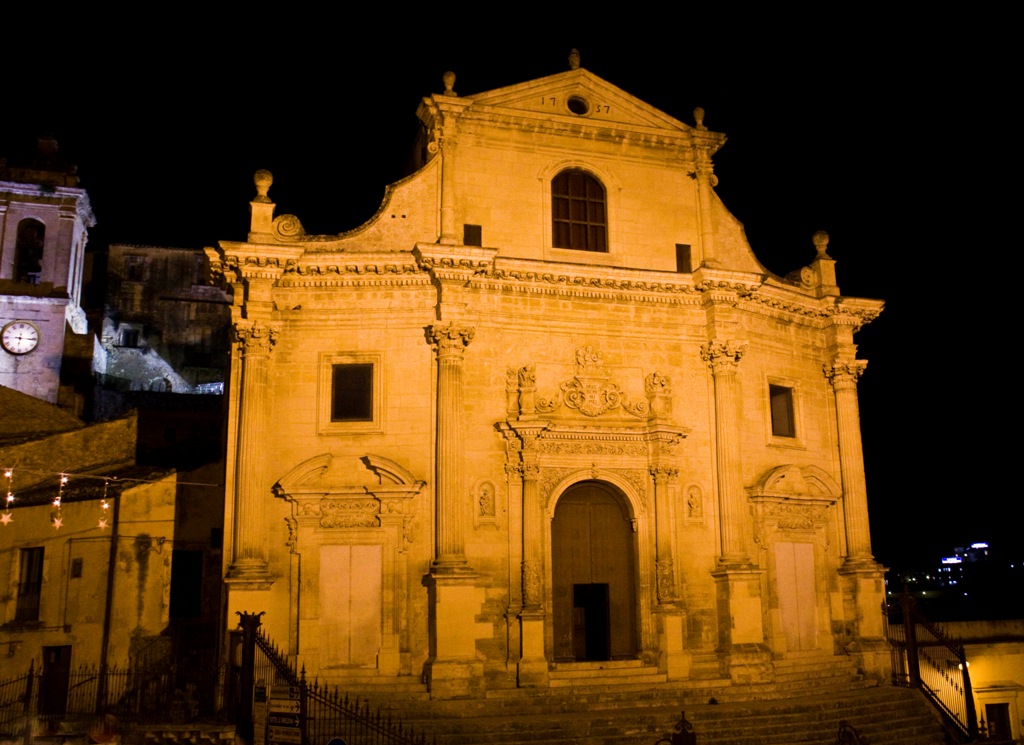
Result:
[
  {"x": 567, "y": 280},
  {"x": 243, "y": 261}
]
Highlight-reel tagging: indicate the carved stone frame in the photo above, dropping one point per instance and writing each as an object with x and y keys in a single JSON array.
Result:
[{"x": 324, "y": 513}]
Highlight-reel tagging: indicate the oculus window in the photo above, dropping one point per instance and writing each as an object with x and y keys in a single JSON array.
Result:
[
  {"x": 578, "y": 215},
  {"x": 350, "y": 393},
  {"x": 781, "y": 400}
]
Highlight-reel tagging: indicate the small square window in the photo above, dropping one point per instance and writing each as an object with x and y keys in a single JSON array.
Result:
[
  {"x": 352, "y": 393},
  {"x": 781, "y": 399},
  {"x": 76, "y": 568},
  {"x": 472, "y": 235}
]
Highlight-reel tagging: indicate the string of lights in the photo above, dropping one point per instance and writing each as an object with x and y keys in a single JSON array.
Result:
[{"x": 57, "y": 515}]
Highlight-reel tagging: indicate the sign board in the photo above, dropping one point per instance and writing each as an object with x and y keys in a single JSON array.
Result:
[{"x": 283, "y": 725}]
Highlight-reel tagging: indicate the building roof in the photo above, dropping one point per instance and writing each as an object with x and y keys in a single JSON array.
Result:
[{"x": 24, "y": 417}]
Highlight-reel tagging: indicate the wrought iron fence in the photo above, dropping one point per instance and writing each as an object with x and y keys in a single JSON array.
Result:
[
  {"x": 924, "y": 657},
  {"x": 15, "y": 696},
  {"x": 324, "y": 713},
  {"x": 141, "y": 694}
]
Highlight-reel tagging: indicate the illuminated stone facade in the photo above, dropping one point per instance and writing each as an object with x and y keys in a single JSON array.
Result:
[{"x": 545, "y": 407}]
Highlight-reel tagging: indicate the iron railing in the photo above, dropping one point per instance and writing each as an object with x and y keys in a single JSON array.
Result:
[
  {"x": 924, "y": 657},
  {"x": 141, "y": 694},
  {"x": 324, "y": 713}
]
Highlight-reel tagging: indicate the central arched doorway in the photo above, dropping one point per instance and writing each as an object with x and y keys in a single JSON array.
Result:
[{"x": 593, "y": 567}]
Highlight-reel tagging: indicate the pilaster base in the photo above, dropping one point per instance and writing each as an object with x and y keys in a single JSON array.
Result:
[
  {"x": 874, "y": 658},
  {"x": 455, "y": 678},
  {"x": 863, "y": 584},
  {"x": 453, "y": 670},
  {"x": 532, "y": 670},
  {"x": 674, "y": 659},
  {"x": 748, "y": 663},
  {"x": 738, "y": 596}
]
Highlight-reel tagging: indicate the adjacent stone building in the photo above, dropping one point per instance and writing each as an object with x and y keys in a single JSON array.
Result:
[
  {"x": 44, "y": 222},
  {"x": 546, "y": 408}
]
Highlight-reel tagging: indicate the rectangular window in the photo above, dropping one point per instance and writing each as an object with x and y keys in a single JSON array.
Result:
[
  {"x": 472, "y": 235},
  {"x": 683, "y": 264},
  {"x": 30, "y": 584},
  {"x": 76, "y": 568},
  {"x": 352, "y": 393},
  {"x": 783, "y": 424}
]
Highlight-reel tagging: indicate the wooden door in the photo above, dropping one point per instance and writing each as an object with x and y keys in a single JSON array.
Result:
[
  {"x": 794, "y": 577},
  {"x": 593, "y": 575}
]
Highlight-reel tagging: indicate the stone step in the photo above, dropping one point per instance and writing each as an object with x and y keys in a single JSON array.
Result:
[{"x": 887, "y": 716}]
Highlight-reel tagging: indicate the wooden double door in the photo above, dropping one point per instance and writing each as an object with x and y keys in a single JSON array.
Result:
[{"x": 593, "y": 567}]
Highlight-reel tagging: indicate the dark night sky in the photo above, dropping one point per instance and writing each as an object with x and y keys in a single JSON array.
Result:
[{"x": 881, "y": 132}]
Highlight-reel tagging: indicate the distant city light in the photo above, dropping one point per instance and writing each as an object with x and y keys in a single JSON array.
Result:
[
  {"x": 979, "y": 545},
  {"x": 952, "y": 560}
]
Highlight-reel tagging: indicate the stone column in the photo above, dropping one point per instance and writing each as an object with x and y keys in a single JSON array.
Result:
[
  {"x": 249, "y": 547},
  {"x": 452, "y": 670},
  {"x": 533, "y": 665},
  {"x": 449, "y": 342},
  {"x": 737, "y": 581},
  {"x": 844, "y": 376},
  {"x": 862, "y": 579},
  {"x": 723, "y": 358},
  {"x": 666, "y": 579}
]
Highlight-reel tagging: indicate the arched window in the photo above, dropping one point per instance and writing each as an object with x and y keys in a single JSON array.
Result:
[
  {"x": 28, "y": 251},
  {"x": 578, "y": 215}
]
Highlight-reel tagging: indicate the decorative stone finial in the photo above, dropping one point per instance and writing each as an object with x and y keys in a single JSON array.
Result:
[
  {"x": 574, "y": 60},
  {"x": 821, "y": 243},
  {"x": 698, "y": 116},
  {"x": 263, "y": 179},
  {"x": 449, "y": 83}
]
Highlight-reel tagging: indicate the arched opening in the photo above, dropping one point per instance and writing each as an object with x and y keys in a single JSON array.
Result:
[
  {"x": 578, "y": 215},
  {"x": 28, "y": 251},
  {"x": 593, "y": 567}
]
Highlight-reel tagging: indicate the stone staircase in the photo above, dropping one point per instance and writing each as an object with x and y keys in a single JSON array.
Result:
[{"x": 626, "y": 703}]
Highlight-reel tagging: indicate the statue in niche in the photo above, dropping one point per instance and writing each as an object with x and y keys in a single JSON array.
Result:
[
  {"x": 694, "y": 506},
  {"x": 486, "y": 500}
]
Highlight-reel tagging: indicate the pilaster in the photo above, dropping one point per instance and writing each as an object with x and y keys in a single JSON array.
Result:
[
  {"x": 843, "y": 376},
  {"x": 249, "y": 547},
  {"x": 449, "y": 342},
  {"x": 723, "y": 358}
]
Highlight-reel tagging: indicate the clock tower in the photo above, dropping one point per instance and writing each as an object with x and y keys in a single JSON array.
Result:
[{"x": 44, "y": 222}]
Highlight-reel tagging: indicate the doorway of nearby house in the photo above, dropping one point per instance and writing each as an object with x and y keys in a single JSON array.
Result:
[
  {"x": 53, "y": 699},
  {"x": 593, "y": 567}
]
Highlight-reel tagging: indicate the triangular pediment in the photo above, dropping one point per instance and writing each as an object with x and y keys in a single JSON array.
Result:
[{"x": 580, "y": 96}]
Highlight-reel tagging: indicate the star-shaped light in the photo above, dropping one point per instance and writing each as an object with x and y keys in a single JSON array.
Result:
[
  {"x": 57, "y": 522},
  {"x": 6, "y": 518},
  {"x": 103, "y": 524}
]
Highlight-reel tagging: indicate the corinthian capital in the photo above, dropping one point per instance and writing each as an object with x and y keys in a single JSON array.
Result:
[
  {"x": 723, "y": 355},
  {"x": 663, "y": 474},
  {"x": 448, "y": 339},
  {"x": 845, "y": 374},
  {"x": 255, "y": 337}
]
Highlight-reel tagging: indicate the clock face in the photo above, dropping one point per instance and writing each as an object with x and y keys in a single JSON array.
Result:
[{"x": 19, "y": 337}]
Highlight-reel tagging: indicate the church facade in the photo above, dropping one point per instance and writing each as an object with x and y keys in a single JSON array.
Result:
[{"x": 545, "y": 409}]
